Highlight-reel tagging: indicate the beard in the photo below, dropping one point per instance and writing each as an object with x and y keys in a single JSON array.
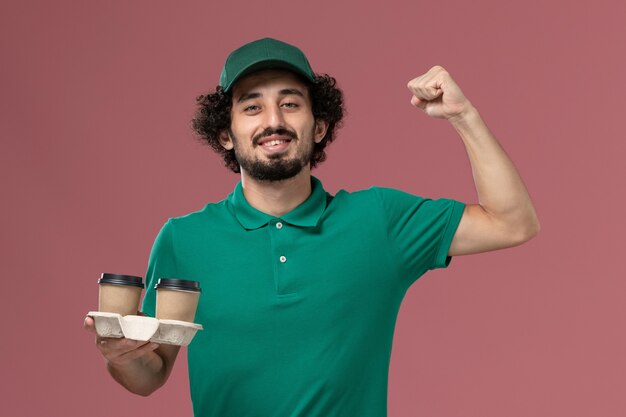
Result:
[{"x": 278, "y": 167}]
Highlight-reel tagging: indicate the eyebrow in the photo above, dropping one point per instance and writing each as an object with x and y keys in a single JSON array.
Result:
[{"x": 283, "y": 92}]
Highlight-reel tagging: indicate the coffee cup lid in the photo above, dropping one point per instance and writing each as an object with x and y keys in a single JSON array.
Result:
[
  {"x": 177, "y": 284},
  {"x": 117, "y": 279}
]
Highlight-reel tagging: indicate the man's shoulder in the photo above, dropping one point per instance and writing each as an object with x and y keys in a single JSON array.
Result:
[
  {"x": 381, "y": 199},
  {"x": 368, "y": 200},
  {"x": 372, "y": 192},
  {"x": 210, "y": 212}
]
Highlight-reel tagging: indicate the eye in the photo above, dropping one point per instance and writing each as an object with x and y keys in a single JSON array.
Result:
[
  {"x": 290, "y": 105},
  {"x": 251, "y": 108}
]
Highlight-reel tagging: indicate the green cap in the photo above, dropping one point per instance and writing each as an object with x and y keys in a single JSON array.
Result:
[{"x": 262, "y": 54}]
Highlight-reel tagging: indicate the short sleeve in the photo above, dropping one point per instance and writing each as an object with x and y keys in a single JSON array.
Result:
[
  {"x": 162, "y": 263},
  {"x": 420, "y": 230}
]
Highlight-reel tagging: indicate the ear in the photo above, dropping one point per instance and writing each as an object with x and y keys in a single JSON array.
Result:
[
  {"x": 225, "y": 140},
  {"x": 321, "y": 126}
]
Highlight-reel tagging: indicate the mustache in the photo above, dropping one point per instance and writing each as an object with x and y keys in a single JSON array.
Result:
[{"x": 269, "y": 132}]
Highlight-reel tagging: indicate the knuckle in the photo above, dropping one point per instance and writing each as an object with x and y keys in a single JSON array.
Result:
[
  {"x": 135, "y": 354},
  {"x": 111, "y": 344},
  {"x": 125, "y": 342}
]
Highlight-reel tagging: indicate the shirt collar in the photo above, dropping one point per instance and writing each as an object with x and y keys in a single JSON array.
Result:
[{"x": 306, "y": 214}]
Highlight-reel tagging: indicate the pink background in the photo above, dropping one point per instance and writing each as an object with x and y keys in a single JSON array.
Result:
[{"x": 97, "y": 152}]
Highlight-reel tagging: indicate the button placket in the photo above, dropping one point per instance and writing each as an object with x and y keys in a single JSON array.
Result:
[
  {"x": 279, "y": 234},
  {"x": 282, "y": 258}
]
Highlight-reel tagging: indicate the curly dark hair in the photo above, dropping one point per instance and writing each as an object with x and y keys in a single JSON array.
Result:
[{"x": 213, "y": 116}]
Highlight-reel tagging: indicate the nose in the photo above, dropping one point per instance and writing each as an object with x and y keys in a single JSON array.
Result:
[{"x": 273, "y": 117}]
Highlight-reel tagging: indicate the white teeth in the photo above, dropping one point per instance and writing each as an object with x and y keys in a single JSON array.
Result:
[{"x": 274, "y": 142}]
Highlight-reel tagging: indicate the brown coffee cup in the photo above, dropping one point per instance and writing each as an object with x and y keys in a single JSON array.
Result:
[
  {"x": 177, "y": 299},
  {"x": 119, "y": 293}
]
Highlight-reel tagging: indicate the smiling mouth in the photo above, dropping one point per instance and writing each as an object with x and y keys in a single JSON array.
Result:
[
  {"x": 275, "y": 142},
  {"x": 274, "y": 137},
  {"x": 275, "y": 146}
]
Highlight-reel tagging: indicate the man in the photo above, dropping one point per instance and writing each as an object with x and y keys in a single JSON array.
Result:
[{"x": 301, "y": 288}]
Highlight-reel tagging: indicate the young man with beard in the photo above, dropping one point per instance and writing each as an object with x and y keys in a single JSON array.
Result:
[{"x": 301, "y": 288}]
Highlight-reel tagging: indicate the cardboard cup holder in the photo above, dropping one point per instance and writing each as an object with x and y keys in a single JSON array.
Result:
[{"x": 171, "y": 332}]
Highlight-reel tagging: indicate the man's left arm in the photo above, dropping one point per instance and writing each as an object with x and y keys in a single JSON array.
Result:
[{"x": 505, "y": 215}]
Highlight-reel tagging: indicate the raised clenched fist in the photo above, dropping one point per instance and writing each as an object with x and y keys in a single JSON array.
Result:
[{"x": 438, "y": 94}]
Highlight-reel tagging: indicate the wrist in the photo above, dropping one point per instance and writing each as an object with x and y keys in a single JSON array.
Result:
[{"x": 465, "y": 117}]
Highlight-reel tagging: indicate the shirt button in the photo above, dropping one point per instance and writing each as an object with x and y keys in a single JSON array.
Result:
[
  {"x": 283, "y": 259},
  {"x": 279, "y": 225}
]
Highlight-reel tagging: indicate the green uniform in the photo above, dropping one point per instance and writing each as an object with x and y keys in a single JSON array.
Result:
[{"x": 299, "y": 310}]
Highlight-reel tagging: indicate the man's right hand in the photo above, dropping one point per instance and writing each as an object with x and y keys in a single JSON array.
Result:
[
  {"x": 141, "y": 367},
  {"x": 119, "y": 351}
]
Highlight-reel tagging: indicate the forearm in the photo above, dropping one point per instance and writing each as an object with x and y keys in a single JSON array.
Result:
[{"x": 501, "y": 191}]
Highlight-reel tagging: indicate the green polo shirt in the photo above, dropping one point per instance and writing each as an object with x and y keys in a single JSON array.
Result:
[{"x": 299, "y": 310}]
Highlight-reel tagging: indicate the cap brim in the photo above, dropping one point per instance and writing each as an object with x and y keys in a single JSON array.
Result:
[{"x": 267, "y": 64}]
